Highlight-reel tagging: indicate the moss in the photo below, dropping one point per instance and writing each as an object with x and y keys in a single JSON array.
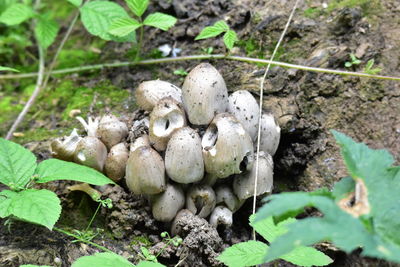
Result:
[
  {"x": 312, "y": 12},
  {"x": 369, "y": 7}
]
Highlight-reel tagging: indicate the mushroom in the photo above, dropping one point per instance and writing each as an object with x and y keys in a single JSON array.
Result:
[
  {"x": 150, "y": 92},
  {"x": 183, "y": 156},
  {"x": 145, "y": 171},
  {"x": 115, "y": 164},
  {"x": 270, "y": 134},
  {"x": 243, "y": 184},
  {"x": 139, "y": 142},
  {"x": 221, "y": 215},
  {"x": 176, "y": 229},
  {"x": 204, "y": 94},
  {"x": 166, "y": 204},
  {"x": 91, "y": 152},
  {"x": 224, "y": 195},
  {"x": 200, "y": 200},
  {"x": 90, "y": 126},
  {"x": 64, "y": 147},
  {"x": 111, "y": 131},
  {"x": 244, "y": 107},
  {"x": 166, "y": 117},
  {"x": 227, "y": 147}
]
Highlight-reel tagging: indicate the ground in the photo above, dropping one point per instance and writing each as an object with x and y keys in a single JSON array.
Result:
[{"x": 307, "y": 105}]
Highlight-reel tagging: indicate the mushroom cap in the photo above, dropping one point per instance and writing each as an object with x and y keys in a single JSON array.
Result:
[
  {"x": 166, "y": 117},
  {"x": 227, "y": 147},
  {"x": 145, "y": 171},
  {"x": 243, "y": 184},
  {"x": 245, "y": 108},
  {"x": 166, "y": 204},
  {"x": 201, "y": 200},
  {"x": 91, "y": 152},
  {"x": 150, "y": 92},
  {"x": 221, "y": 215},
  {"x": 204, "y": 94},
  {"x": 225, "y": 196},
  {"x": 64, "y": 148},
  {"x": 139, "y": 142},
  {"x": 115, "y": 164},
  {"x": 183, "y": 156},
  {"x": 111, "y": 132},
  {"x": 270, "y": 134}
]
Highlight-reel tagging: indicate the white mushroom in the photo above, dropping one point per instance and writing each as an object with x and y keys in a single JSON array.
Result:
[
  {"x": 204, "y": 94},
  {"x": 225, "y": 196},
  {"x": 243, "y": 184},
  {"x": 227, "y": 147},
  {"x": 270, "y": 134},
  {"x": 64, "y": 147},
  {"x": 145, "y": 171},
  {"x": 150, "y": 92},
  {"x": 91, "y": 152},
  {"x": 166, "y": 117},
  {"x": 245, "y": 108},
  {"x": 166, "y": 204},
  {"x": 111, "y": 131},
  {"x": 139, "y": 142},
  {"x": 221, "y": 215},
  {"x": 200, "y": 200},
  {"x": 183, "y": 156},
  {"x": 115, "y": 164}
]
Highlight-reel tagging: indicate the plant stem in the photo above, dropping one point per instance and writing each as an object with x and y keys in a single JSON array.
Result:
[
  {"x": 199, "y": 57},
  {"x": 94, "y": 215},
  {"x": 82, "y": 240},
  {"x": 139, "y": 46}
]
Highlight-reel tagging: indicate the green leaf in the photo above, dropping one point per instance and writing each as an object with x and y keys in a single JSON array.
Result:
[
  {"x": 76, "y": 3},
  {"x": 8, "y": 69},
  {"x": 97, "y": 17},
  {"x": 244, "y": 254},
  {"x": 343, "y": 188},
  {"x": 230, "y": 38},
  {"x": 123, "y": 26},
  {"x": 36, "y": 206},
  {"x": 31, "y": 265},
  {"x": 221, "y": 25},
  {"x": 209, "y": 32},
  {"x": 267, "y": 228},
  {"x": 6, "y": 197},
  {"x": 138, "y": 7},
  {"x": 17, "y": 164},
  {"x": 46, "y": 31},
  {"x": 149, "y": 264},
  {"x": 160, "y": 20},
  {"x": 55, "y": 169},
  {"x": 16, "y": 14},
  {"x": 105, "y": 259},
  {"x": 348, "y": 64}
]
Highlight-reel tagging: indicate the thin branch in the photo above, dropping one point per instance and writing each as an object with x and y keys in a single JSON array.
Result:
[
  {"x": 261, "y": 108},
  {"x": 199, "y": 57}
]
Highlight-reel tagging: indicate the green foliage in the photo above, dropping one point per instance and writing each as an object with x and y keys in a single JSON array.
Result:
[
  {"x": 16, "y": 14},
  {"x": 8, "y": 69},
  {"x": 31, "y": 265},
  {"x": 361, "y": 212},
  {"x": 147, "y": 256},
  {"x": 353, "y": 61},
  {"x": 138, "y": 7},
  {"x": 123, "y": 26},
  {"x": 76, "y": 3},
  {"x": 219, "y": 27},
  {"x": 97, "y": 17},
  {"x": 368, "y": 68},
  {"x": 160, "y": 20},
  {"x": 18, "y": 170},
  {"x": 46, "y": 31},
  {"x": 253, "y": 252},
  {"x": 105, "y": 259}
]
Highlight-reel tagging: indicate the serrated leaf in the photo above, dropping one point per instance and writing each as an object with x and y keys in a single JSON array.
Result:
[
  {"x": 16, "y": 14},
  {"x": 6, "y": 197},
  {"x": 17, "y": 164},
  {"x": 343, "y": 188},
  {"x": 105, "y": 259},
  {"x": 221, "y": 25},
  {"x": 46, "y": 32},
  {"x": 76, "y": 3},
  {"x": 149, "y": 264},
  {"x": 55, "y": 169},
  {"x": 267, "y": 228},
  {"x": 36, "y": 206},
  {"x": 230, "y": 38},
  {"x": 209, "y": 32},
  {"x": 97, "y": 17},
  {"x": 123, "y": 26},
  {"x": 138, "y": 7},
  {"x": 8, "y": 69},
  {"x": 160, "y": 20},
  {"x": 244, "y": 254}
]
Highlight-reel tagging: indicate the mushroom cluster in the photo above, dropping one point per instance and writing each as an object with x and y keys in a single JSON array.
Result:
[{"x": 197, "y": 152}]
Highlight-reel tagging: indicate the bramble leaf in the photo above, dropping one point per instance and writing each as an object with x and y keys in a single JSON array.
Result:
[
  {"x": 55, "y": 169},
  {"x": 221, "y": 25},
  {"x": 123, "y": 26},
  {"x": 138, "y": 7},
  {"x": 16, "y": 14},
  {"x": 8, "y": 69},
  {"x": 105, "y": 259},
  {"x": 46, "y": 32},
  {"x": 97, "y": 17},
  {"x": 244, "y": 254},
  {"x": 230, "y": 38},
  {"x": 149, "y": 264},
  {"x": 76, "y": 3},
  {"x": 35, "y": 206},
  {"x": 6, "y": 197},
  {"x": 17, "y": 164},
  {"x": 160, "y": 20},
  {"x": 209, "y": 32}
]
